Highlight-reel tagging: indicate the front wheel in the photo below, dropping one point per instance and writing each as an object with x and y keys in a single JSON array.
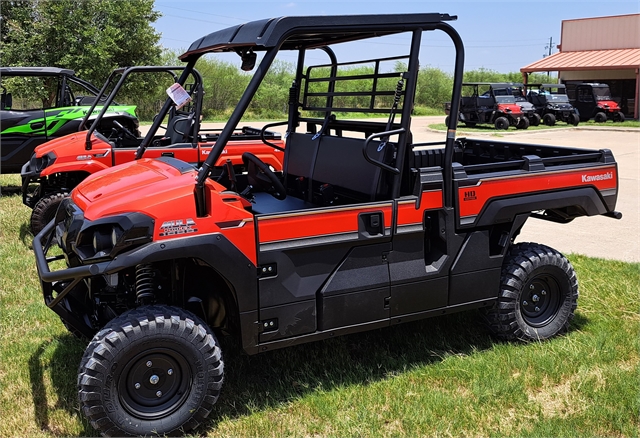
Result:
[
  {"x": 535, "y": 119},
  {"x": 538, "y": 294},
  {"x": 549, "y": 119},
  {"x": 45, "y": 210},
  {"x": 152, "y": 370},
  {"x": 501, "y": 123},
  {"x": 600, "y": 117},
  {"x": 523, "y": 123},
  {"x": 574, "y": 119}
]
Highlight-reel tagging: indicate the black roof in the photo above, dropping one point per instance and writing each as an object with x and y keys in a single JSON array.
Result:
[
  {"x": 547, "y": 85},
  {"x": 494, "y": 84},
  {"x": 36, "y": 71},
  {"x": 309, "y": 32}
]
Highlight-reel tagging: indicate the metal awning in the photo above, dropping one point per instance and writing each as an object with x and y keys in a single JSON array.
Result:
[{"x": 587, "y": 60}]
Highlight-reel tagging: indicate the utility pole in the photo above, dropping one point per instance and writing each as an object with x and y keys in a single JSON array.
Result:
[{"x": 550, "y": 47}]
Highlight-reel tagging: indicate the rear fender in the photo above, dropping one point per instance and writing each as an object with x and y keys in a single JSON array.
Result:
[{"x": 584, "y": 201}]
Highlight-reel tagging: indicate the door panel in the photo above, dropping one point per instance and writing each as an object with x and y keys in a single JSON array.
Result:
[
  {"x": 320, "y": 253},
  {"x": 417, "y": 264}
]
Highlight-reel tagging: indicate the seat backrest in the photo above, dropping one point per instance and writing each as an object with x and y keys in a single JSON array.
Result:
[
  {"x": 178, "y": 129},
  {"x": 341, "y": 163},
  {"x": 486, "y": 101},
  {"x": 299, "y": 158}
]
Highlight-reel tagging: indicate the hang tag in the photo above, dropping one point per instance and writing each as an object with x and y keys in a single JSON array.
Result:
[{"x": 179, "y": 95}]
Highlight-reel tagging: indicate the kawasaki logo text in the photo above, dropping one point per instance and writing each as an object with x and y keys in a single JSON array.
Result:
[{"x": 602, "y": 177}]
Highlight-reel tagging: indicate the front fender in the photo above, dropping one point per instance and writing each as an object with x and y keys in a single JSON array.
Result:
[
  {"x": 89, "y": 166},
  {"x": 214, "y": 249}
]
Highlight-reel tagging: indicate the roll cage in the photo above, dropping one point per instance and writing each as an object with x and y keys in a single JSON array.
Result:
[
  {"x": 302, "y": 34},
  {"x": 121, "y": 75},
  {"x": 64, "y": 95}
]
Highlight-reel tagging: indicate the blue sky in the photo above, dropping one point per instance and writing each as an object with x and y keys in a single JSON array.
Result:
[{"x": 499, "y": 35}]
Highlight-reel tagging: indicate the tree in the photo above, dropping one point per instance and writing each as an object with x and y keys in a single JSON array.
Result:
[{"x": 92, "y": 37}]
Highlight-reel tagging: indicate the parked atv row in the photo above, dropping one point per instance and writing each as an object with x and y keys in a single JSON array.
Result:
[
  {"x": 514, "y": 104},
  {"x": 491, "y": 103}
]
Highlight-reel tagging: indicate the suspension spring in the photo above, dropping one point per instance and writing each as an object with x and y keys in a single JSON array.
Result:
[{"x": 145, "y": 284}]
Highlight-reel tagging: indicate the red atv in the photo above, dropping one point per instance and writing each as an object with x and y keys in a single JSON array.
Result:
[
  {"x": 489, "y": 103},
  {"x": 57, "y": 166},
  {"x": 593, "y": 101},
  {"x": 363, "y": 228}
]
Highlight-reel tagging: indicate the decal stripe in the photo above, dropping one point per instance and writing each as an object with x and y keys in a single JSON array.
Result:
[
  {"x": 473, "y": 198},
  {"x": 407, "y": 213},
  {"x": 318, "y": 223}
]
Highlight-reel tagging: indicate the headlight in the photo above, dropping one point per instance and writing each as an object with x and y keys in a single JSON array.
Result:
[
  {"x": 105, "y": 238},
  {"x": 39, "y": 164}
]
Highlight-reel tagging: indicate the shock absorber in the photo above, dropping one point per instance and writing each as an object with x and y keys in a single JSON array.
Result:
[{"x": 145, "y": 284}]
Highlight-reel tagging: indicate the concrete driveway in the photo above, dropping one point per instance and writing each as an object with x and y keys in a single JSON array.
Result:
[{"x": 592, "y": 236}]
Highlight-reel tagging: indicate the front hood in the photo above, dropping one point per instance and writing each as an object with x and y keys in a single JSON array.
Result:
[
  {"x": 147, "y": 185},
  {"x": 510, "y": 108},
  {"x": 70, "y": 144},
  {"x": 561, "y": 106},
  {"x": 526, "y": 106},
  {"x": 608, "y": 104}
]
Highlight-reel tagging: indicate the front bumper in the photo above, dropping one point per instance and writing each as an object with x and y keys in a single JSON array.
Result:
[
  {"x": 29, "y": 175},
  {"x": 56, "y": 285}
]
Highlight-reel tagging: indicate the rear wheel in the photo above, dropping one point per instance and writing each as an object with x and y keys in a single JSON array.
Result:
[
  {"x": 549, "y": 119},
  {"x": 446, "y": 121},
  {"x": 501, "y": 123},
  {"x": 152, "y": 370},
  {"x": 600, "y": 117},
  {"x": 538, "y": 294},
  {"x": 45, "y": 210}
]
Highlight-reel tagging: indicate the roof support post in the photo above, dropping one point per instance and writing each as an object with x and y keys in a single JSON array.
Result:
[{"x": 636, "y": 114}]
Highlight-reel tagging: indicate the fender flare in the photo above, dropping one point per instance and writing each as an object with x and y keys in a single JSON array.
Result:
[
  {"x": 506, "y": 209},
  {"x": 89, "y": 166}
]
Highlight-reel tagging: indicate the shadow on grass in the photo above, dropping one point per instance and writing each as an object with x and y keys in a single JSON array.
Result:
[
  {"x": 26, "y": 236},
  {"x": 56, "y": 359},
  {"x": 10, "y": 190},
  {"x": 273, "y": 378}
]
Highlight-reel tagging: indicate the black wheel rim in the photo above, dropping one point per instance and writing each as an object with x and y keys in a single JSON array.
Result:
[
  {"x": 155, "y": 383},
  {"x": 540, "y": 300}
]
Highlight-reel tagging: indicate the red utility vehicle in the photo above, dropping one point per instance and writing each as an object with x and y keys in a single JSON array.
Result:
[
  {"x": 490, "y": 103},
  {"x": 57, "y": 166},
  {"x": 594, "y": 101},
  {"x": 364, "y": 228}
]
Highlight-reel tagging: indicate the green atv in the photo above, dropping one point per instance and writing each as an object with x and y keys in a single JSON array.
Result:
[{"x": 38, "y": 104}]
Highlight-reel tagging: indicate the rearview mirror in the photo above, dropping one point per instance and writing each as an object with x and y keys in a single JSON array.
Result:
[{"x": 248, "y": 60}]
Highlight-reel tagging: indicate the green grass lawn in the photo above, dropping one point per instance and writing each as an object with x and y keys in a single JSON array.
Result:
[
  {"x": 489, "y": 128},
  {"x": 439, "y": 377}
]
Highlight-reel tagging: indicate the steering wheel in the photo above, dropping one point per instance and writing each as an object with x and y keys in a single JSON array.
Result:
[
  {"x": 262, "y": 177},
  {"x": 124, "y": 130}
]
